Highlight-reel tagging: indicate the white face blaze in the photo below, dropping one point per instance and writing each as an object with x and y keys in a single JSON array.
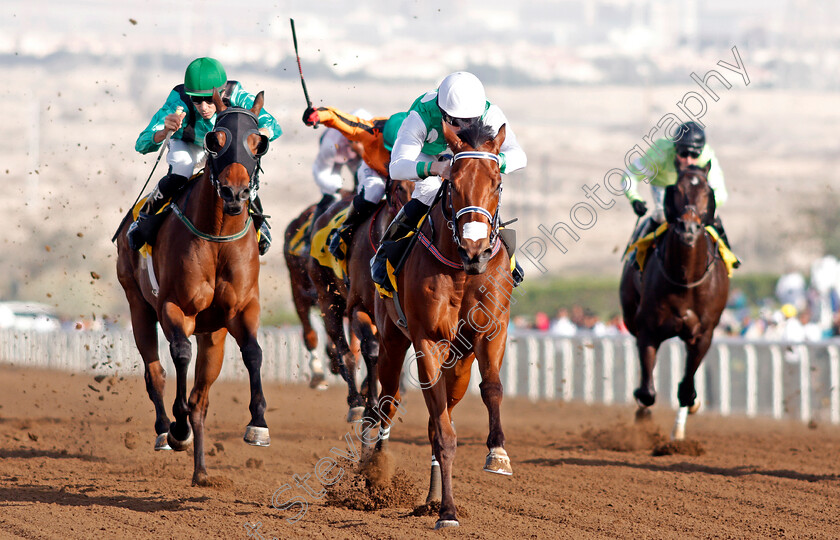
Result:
[{"x": 476, "y": 230}]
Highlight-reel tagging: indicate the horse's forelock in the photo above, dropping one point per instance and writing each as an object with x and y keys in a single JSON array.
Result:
[{"x": 477, "y": 134}]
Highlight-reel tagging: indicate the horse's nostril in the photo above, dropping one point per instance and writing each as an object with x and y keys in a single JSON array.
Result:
[{"x": 226, "y": 193}]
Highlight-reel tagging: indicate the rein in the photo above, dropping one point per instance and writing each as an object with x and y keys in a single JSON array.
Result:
[
  {"x": 706, "y": 273},
  {"x": 204, "y": 236}
]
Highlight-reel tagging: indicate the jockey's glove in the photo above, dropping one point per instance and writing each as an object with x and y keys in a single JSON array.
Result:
[
  {"x": 640, "y": 208},
  {"x": 310, "y": 117}
]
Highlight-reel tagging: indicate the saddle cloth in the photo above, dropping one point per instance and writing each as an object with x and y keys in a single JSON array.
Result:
[
  {"x": 642, "y": 247},
  {"x": 320, "y": 245}
]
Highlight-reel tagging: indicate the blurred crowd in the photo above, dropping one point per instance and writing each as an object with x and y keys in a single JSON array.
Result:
[
  {"x": 570, "y": 322},
  {"x": 802, "y": 308}
]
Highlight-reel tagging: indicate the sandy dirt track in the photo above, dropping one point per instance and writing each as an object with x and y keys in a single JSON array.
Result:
[{"x": 78, "y": 463}]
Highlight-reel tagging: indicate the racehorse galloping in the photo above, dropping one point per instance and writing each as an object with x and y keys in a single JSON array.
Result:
[
  {"x": 361, "y": 295},
  {"x": 454, "y": 315},
  {"x": 681, "y": 292},
  {"x": 305, "y": 294},
  {"x": 204, "y": 281},
  {"x": 331, "y": 296}
]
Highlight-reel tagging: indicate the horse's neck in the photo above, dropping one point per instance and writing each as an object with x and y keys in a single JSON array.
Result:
[
  {"x": 205, "y": 209},
  {"x": 686, "y": 262}
]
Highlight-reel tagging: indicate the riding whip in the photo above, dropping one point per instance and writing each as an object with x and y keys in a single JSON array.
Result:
[
  {"x": 300, "y": 70},
  {"x": 179, "y": 111}
]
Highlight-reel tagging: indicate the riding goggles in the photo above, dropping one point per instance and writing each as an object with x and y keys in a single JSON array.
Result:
[
  {"x": 688, "y": 152},
  {"x": 459, "y": 122}
]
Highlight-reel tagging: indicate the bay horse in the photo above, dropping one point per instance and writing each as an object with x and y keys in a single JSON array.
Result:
[
  {"x": 455, "y": 312},
  {"x": 361, "y": 294},
  {"x": 331, "y": 296},
  {"x": 204, "y": 280},
  {"x": 681, "y": 292},
  {"x": 305, "y": 294}
]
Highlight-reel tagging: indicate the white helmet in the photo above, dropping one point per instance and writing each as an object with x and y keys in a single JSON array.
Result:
[
  {"x": 461, "y": 95},
  {"x": 362, "y": 113}
]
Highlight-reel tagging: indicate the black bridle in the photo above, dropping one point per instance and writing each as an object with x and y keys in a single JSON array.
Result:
[{"x": 242, "y": 122}]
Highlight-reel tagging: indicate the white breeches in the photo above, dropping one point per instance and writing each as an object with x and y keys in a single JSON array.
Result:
[
  {"x": 426, "y": 189},
  {"x": 371, "y": 182},
  {"x": 658, "y": 203},
  {"x": 184, "y": 157}
]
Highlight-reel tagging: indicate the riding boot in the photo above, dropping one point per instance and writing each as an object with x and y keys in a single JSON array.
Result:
[
  {"x": 406, "y": 221},
  {"x": 144, "y": 229},
  {"x": 360, "y": 210},
  {"x": 261, "y": 225},
  {"x": 508, "y": 237},
  {"x": 722, "y": 233}
]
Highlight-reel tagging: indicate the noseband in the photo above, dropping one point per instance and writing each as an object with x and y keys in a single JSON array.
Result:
[{"x": 452, "y": 222}]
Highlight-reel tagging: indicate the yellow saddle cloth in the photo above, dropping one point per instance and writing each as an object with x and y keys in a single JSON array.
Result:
[
  {"x": 643, "y": 245},
  {"x": 146, "y": 250},
  {"x": 298, "y": 241},
  {"x": 320, "y": 248}
]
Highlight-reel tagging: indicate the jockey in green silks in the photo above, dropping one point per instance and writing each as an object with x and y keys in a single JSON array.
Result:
[
  {"x": 186, "y": 144},
  {"x": 662, "y": 161}
]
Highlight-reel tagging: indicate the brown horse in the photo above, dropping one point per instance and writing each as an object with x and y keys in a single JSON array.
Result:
[
  {"x": 204, "y": 281},
  {"x": 305, "y": 295},
  {"x": 361, "y": 295},
  {"x": 331, "y": 296},
  {"x": 455, "y": 312},
  {"x": 681, "y": 292}
]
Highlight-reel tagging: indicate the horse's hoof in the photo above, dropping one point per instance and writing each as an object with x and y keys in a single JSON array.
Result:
[
  {"x": 446, "y": 523},
  {"x": 161, "y": 443},
  {"x": 355, "y": 414},
  {"x": 200, "y": 479},
  {"x": 695, "y": 407},
  {"x": 179, "y": 446},
  {"x": 643, "y": 414},
  {"x": 257, "y": 436},
  {"x": 318, "y": 381},
  {"x": 498, "y": 462}
]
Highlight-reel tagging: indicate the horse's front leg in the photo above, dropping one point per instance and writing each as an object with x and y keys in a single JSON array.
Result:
[
  {"x": 443, "y": 434},
  {"x": 490, "y": 353},
  {"x": 686, "y": 392},
  {"x": 177, "y": 327},
  {"x": 244, "y": 328},
  {"x": 333, "y": 309},
  {"x": 363, "y": 327},
  {"x": 144, "y": 327},
  {"x": 645, "y": 394},
  {"x": 211, "y": 353}
]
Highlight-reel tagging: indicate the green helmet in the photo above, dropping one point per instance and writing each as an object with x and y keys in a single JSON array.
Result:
[{"x": 203, "y": 76}]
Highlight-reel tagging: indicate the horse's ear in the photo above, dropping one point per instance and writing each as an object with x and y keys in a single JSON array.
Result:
[
  {"x": 707, "y": 168},
  {"x": 499, "y": 139},
  {"x": 668, "y": 203},
  {"x": 454, "y": 142},
  {"x": 258, "y": 103},
  {"x": 217, "y": 101}
]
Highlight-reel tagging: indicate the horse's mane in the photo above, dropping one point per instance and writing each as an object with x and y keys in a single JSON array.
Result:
[{"x": 477, "y": 134}]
